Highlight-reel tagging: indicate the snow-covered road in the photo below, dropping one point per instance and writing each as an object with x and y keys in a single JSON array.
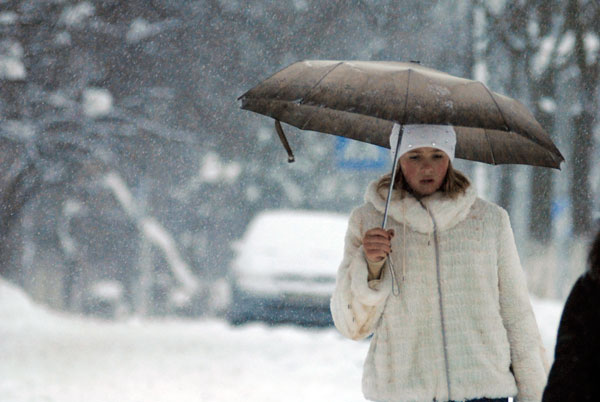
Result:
[{"x": 45, "y": 356}]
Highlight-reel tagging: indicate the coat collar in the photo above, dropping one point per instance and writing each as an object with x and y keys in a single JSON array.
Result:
[{"x": 446, "y": 211}]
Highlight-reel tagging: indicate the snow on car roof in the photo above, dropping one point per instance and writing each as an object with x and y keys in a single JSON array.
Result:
[
  {"x": 286, "y": 227},
  {"x": 293, "y": 240}
]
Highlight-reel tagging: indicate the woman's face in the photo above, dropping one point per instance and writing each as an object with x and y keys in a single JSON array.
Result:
[{"x": 424, "y": 169}]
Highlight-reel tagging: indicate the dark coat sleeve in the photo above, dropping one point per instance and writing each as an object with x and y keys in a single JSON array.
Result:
[{"x": 573, "y": 376}]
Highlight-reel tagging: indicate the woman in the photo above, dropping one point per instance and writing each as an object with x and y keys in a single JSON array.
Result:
[
  {"x": 574, "y": 374},
  {"x": 441, "y": 291}
]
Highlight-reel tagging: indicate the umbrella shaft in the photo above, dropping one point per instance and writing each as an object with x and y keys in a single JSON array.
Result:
[{"x": 393, "y": 180}]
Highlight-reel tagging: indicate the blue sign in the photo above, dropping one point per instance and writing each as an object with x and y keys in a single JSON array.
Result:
[
  {"x": 356, "y": 155},
  {"x": 559, "y": 207}
]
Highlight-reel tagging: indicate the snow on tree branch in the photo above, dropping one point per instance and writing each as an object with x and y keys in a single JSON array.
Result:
[
  {"x": 153, "y": 231},
  {"x": 591, "y": 43}
]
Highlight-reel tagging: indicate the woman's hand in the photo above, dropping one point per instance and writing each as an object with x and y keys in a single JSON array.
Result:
[{"x": 377, "y": 244}]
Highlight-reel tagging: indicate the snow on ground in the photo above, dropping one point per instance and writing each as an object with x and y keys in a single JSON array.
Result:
[
  {"x": 547, "y": 314},
  {"x": 47, "y": 356}
]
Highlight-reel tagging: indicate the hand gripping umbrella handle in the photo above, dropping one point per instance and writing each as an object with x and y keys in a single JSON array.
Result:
[{"x": 284, "y": 141}]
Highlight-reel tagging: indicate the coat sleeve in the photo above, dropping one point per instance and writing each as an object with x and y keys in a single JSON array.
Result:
[
  {"x": 528, "y": 356},
  {"x": 356, "y": 303},
  {"x": 572, "y": 375}
]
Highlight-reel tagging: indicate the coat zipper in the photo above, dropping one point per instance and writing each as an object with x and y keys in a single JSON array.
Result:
[{"x": 439, "y": 283}]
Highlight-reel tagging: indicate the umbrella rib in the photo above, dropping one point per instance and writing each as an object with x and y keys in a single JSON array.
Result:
[
  {"x": 495, "y": 103},
  {"x": 320, "y": 79},
  {"x": 490, "y": 145},
  {"x": 501, "y": 115},
  {"x": 314, "y": 86}
]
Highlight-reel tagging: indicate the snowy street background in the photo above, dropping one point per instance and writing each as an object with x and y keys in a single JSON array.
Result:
[
  {"x": 49, "y": 356},
  {"x": 129, "y": 175}
]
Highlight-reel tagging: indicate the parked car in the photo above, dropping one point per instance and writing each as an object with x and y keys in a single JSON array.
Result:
[{"x": 285, "y": 267}]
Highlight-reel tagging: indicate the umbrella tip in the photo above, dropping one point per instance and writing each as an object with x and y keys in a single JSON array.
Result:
[{"x": 291, "y": 159}]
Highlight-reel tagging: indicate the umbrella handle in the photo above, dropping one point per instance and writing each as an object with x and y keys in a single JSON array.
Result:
[
  {"x": 284, "y": 141},
  {"x": 394, "y": 169}
]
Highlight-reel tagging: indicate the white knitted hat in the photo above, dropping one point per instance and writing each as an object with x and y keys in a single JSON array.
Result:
[{"x": 424, "y": 135}]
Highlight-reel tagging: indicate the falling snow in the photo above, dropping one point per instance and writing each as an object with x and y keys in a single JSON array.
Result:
[{"x": 128, "y": 173}]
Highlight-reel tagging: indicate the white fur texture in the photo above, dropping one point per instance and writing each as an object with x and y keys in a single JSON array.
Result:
[{"x": 489, "y": 322}]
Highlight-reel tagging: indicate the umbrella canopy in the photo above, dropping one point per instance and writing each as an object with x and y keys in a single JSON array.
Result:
[{"x": 362, "y": 100}]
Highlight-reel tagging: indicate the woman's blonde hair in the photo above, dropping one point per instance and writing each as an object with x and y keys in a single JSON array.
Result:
[{"x": 454, "y": 184}]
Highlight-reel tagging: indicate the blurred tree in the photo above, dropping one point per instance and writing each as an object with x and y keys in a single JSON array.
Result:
[
  {"x": 530, "y": 34},
  {"x": 61, "y": 132},
  {"x": 582, "y": 23},
  {"x": 148, "y": 89}
]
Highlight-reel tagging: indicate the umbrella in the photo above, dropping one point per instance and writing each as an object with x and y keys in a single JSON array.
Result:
[{"x": 363, "y": 100}]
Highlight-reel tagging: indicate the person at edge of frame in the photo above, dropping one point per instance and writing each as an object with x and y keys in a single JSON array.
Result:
[{"x": 574, "y": 373}]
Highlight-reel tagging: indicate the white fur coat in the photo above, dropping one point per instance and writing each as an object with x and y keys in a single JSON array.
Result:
[{"x": 471, "y": 332}]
